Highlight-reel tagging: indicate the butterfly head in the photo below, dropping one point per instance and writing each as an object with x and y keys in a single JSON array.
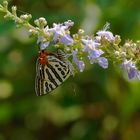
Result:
[{"x": 43, "y": 57}]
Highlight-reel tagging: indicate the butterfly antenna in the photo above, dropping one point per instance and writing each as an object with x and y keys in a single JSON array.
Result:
[{"x": 22, "y": 12}]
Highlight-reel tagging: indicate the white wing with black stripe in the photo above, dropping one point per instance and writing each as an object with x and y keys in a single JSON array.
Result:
[{"x": 51, "y": 75}]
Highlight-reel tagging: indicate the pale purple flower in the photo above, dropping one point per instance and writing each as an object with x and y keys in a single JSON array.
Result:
[
  {"x": 103, "y": 62},
  {"x": 80, "y": 64},
  {"x": 42, "y": 42},
  {"x": 89, "y": 44},
  {"x": 66, "y": 39},
  {"x": 138, "y": 74},
  {"x": 60, "y": 33},
  {"x": 107, "y": 34},
  {"x": 129, "y": 66},
  {"x": 131, "y": 69},
  {"x": 104, "y": 33},
  {"x": 44, "y": 45},
  {"x": 40, "y": 39},
  {"x": 97, "y": 39},
  {"x": 69, "y": 23},
  {"x": 94, "y": 53}
]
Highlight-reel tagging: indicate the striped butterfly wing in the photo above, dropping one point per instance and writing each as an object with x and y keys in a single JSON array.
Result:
[{"x": 51, "y": 74}]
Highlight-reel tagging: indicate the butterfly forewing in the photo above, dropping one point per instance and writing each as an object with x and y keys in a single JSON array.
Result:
[{"x": 51, "y": 75}]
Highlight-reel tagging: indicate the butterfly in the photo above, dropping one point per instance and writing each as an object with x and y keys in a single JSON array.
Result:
[{"x": 51, "y": 71}]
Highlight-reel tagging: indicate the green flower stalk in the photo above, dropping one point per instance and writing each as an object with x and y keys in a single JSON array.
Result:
[{"x": 102, "y": 48}]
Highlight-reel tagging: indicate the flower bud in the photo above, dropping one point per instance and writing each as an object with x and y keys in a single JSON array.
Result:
[
  {"x": 81, "y": 31},
  {"x": 26, "y": 17},
  {"x": 5, "y": 4},
  {"x": 42, "y": 21},
  {"x": 36, "y": 22},
  {"x": 127, "y": 45},
  {"x": 14, "y": 9},
  {"x": 123, "y": 54},
  {"x": 117, "y": 39},
  {"x": 117, "y": 53}
]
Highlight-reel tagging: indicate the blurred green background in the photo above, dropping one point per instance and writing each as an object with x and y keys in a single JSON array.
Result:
[{"x": 94, "y": 105}]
